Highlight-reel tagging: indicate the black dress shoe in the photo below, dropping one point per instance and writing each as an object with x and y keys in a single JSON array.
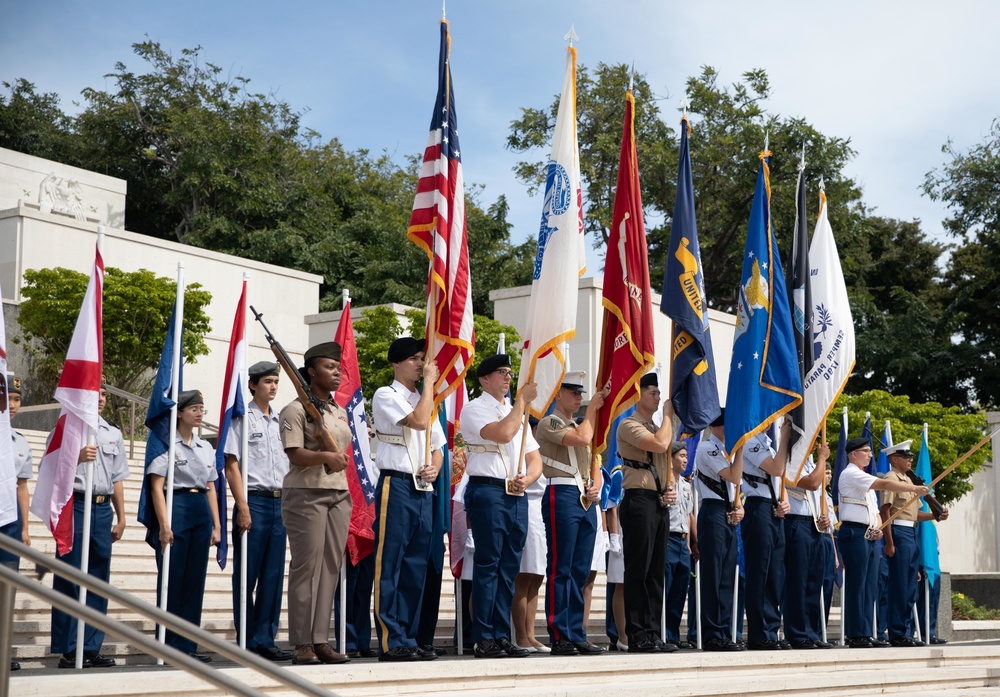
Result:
[
  {"x": 203, "y": 657},
  {"x": 805, "y": 644},
  {"x": 400, "y": 653},
  {"x": 272, "y": 653},
  {"x": 644, "y": 646},
  {"x": 822, "y": 644},
  {"x": 439, "y": 650},
  {"x": 68, "y": 660},
  {"x": 938, "y": 640},
  {"x": 353, "y": 653},
  {"x": 771, "y": 645},
  {"x": 720, "y": 644},
  {"x": 903, "y": 642},
  {"x": 97, "y": 660},
  {"x": 860, "y": 642},
  {"x": 510, "y": 649},
  {"x": 14, "y": 665},
  {"x": 564, "y": 648},
  {"x": 686, "y": 645},
  {"x": 784, "y": 645},
  {"x": 665, "y": 646},
  {"x": 428, "y": 654},
  {"x": 588, "y": 649},
  {"x": 880, "y": 643},
  {"x": 488, "y": 649}
]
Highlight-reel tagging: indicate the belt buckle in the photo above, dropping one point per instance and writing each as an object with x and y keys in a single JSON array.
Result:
[
  {"x": 276, "y": 494},
  {"x": 101, "y": 498}
]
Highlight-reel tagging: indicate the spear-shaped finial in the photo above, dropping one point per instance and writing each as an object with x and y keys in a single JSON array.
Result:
[
  {"x": 571, "y": 36},
  {"x": 685, "y": 105},
  {"x": 802, "y": 159},
  {"x": 443, "y": 16},
  {"x": 631, "y": 77},
  {"x": 822, "y": 184},
  {"x": 767, "y": 140}
]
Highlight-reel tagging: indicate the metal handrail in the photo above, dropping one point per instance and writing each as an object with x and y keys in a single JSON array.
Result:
[{"x": 119, "y": 629}]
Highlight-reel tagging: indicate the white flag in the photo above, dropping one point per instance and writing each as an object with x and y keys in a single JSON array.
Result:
[
  {"x": 833, "y": 338},
  {"x": 8, "y": 474},
  {"x": 560, "y": 259}
]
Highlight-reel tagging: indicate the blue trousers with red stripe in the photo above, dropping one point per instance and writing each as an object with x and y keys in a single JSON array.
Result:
[
  {"x": 569, "y": 531},
  {"x": 402, "y": 543}
]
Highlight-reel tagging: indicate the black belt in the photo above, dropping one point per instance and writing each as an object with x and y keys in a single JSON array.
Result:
[
  {"x": 98, "y": 499},
  {"x": 397, "y": 473},
  {"x": 490, "y": 481},
  {"x": 678, "y": 535},
  {"x": 852, "y": 524},
  {"x": 192, "y": 490},
  {"x": 795, "y": 516},
  {"x": 265, "y": 493},
  {"x": 637, "y": 464}
]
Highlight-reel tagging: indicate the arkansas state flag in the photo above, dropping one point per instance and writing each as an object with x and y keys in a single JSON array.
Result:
[
  {"x": 361, "y": 473},
  {"x": 559, "y": 259},
  {"x": 78, "y": 392},
  {"x": 233, "y": 409},
  {"x": 627, "y": 348}
]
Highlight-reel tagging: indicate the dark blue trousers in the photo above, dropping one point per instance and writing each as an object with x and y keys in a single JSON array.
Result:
[
  {"x": 764, "y": 545},
  {"x": 677, "y": 580},
  {"x": 569, "y": 533},
  {"x": 882, "y": 591},
  {"x": 903, "y": 568},
  {"x": 402, "y": 541},
  {"x": 934, "y": 601},
  {"x": 266, "y": 541},
  {"x": 829, "y": 564},
  {"x": 803, "y": 580},
  {"x": 430, "y": 603},
  {"x": 360, "y": 581},
  {"x": 717, "y": 542},
  {"x": 609, "y": 614},
  {"x": 11, "y": 529},
  {"x": 192, "y": 528},
  {"x": 99, "y": 566},
  {"x": 499, "y": 526},
  {"x": 860, "y": 579},
  {"x": 692, "y": 613}
]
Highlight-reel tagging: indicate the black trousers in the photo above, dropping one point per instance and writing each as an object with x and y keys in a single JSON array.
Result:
[{"x": 645, "y": 531}]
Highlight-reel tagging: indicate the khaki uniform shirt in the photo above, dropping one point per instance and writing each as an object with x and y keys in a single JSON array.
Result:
[
  {"x": 298, "y": 432},
  {"x": 631, "y": 431},
  {"x": 550, "y": 433},
  {"x": 897, "y": 500}
]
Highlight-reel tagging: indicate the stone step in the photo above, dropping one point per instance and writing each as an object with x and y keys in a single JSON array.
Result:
[{"x": 957, "y": 670}]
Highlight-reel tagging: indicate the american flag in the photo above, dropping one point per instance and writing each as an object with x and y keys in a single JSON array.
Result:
[
  {"x": 361, "y": 473},
  {"x": 437, "y": 225}
]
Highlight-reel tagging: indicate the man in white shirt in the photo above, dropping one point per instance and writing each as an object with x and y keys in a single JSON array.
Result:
[{"x": 495, "y": 506}]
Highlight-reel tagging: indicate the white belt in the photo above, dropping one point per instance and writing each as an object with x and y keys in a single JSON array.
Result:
[
  {"x": 492, "y": 448},
  {"x": 560, "y": 467},
  {"x": 905, "y": 523},
  {"x": 409, "y": 442},
  {"x": 562, "y": 481},
  {"x": 795, "y": 493}
]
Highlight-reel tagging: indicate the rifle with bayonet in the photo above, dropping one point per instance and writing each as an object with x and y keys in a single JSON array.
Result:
[{"x": 313, "y": 404}]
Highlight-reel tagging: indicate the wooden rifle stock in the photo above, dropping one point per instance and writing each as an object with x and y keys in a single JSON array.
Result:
[
  {"x": 312, "y": 403},
  {"x": 935, "y": 507}
]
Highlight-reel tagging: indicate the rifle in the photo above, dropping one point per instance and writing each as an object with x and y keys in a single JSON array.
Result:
[
  {"x": 313, "y": 404},
  {"x": 935, "y": 506}
]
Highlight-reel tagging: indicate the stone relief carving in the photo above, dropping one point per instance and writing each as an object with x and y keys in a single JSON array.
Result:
[{"x": 61, "y": 195}]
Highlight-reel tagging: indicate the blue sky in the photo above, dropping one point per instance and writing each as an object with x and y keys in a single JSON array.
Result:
[{"x": 898, "y": 78}]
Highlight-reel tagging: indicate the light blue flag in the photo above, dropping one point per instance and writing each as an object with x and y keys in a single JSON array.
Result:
[
  {"x": 927, "y": 531},
  {"x": 764, "y": 380},
  {"x": 882, "y": 462}
]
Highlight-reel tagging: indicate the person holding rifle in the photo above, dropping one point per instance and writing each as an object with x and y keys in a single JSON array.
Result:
[
  {"x": 645, "y": 516},
  {"x": 570, "y": 527},
  {"x": 859, "y": 529},
  {"x": 901, "y": 545},
  {"x": 404, "y": 419},
  {"x": 495, "y": 505},
  {"x": 315, "y": 502}
]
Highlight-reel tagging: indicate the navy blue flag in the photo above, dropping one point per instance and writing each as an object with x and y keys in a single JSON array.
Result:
[
  {"x": 839, "y": 461},
  {"x": 866, "y": 432},
  {"x": 764, "y": 380},
  {"x": 882, "y": 463},
  {"x": 800, "y": 293},
  {"x": 158, "y": 418},
  {"x": 693, "y": 389}
]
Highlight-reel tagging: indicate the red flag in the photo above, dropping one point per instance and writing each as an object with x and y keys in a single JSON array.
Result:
[
  {"x": 437, "y": 225},
  {"x": 78, "y": 392},
  {"x": 361, "y": 474},
  {"x": 627, "y": 347}
]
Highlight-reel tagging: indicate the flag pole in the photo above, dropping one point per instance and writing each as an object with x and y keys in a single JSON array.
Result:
[
  {"x": 697, "y": 577},
  {"x": 345, "y": 295},
  {"x": 245, "y": 472},
  {"x": 88, "y": 506},
  {"x": 175, "y": 378},
  {"x": 927, "y": 581}
]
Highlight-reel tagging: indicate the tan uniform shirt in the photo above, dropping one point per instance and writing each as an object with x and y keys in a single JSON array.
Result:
[
  {"x": 298, "y": 432},
  {"x": 897, "y": 500},
  {"x": 631, "y": 431},
  {"x": 550, "y": 433}
]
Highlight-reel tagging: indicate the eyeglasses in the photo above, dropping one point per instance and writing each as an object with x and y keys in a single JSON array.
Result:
[{"x": 505, "y": 374}]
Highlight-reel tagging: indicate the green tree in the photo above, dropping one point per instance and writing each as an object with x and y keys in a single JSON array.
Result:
[
  {"x": 950, "y": 434},
  {"x": 136, "y": 310},
  {"x": 35, "y": 123},
  {"x": 967, "y": 184}
]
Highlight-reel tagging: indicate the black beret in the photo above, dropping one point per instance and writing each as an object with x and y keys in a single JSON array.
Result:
[
  {"x": 262, "y": 369},
  {"x": 677, "y": 446},
  {"x": 856, "y": 444},
  {"x": 720, "y": 420},
  {"x": 190, "y": 398},
  {"x": 492, "y": 364},
  {"x": 13, "y": 384},
  {"x": 649, "y": 380},
  {"x": 330, "y": 349},
  {"x": 404, "y": 347}
]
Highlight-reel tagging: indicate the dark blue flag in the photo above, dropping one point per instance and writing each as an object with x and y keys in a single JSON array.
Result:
[
  {"x": 764, "y": 380},
  {"x": 158, "y": 418},
  {"x": 800, "y": 293},
  {"x": 693, "y": 388},
  {"x": 839, "y": 461}
]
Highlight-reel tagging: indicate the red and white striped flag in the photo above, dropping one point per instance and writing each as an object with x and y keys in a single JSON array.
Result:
[
  {"x": 437, "y": 225},
  {"x": 78, "y": 392}
]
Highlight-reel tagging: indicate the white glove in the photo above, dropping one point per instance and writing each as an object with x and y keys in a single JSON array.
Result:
[{"x": 615, "y": 541}]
